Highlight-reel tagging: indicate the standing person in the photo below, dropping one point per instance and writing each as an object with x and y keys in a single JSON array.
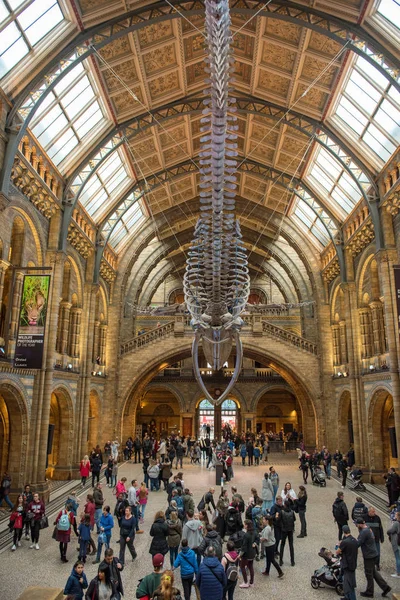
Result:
[
  {"x": 174, "y": 536},
  {"x": 133, "y": 501},
  {"x": 340, "y": 512},
  {"x": 267, "y": 493},
  {"x": 288, "y": 520},
  {"x": 166, "y": 473},
  {"x": 230, "y": 562},
  {"x": 304, "y": 465},
  {"x": 348, "y": 551},
  {"x": 98, "y": 504},
  {"x": 64, "y": 521},
  {"x": 343, "y": 468},
  {"x": 101, "y": 588},
  {"x": 76, "y": 582},
  {"x": 187, "y": 561},
  {"x": 268, "y": 541},
  {"x": 84, "y": 531},
  {"x": 17, "y": 519},
  {"x": 84, "y": 470},
  {"x": 274, "y": 477},
  {"x": 114, "y": 474},
  {"x": 276, "y": 513},
  {"x": 153, "y": 472},
  {"x": 366, "y": 542},
  {"x": 106, "y": 526},
  {"x": 193, "y": 533},
  {"x": 127, "y": 535},
  {"x": 166, "y": 589},
  {"x": 288, "y": 494},
  {"x": 159, "y": 533},
  {"x": 36, "y": 507},
  {"x": 247, "y": 554},
  {"x": 221, "y": 510},
  {"x": 142, "y": 495},
  {"x": 137, "y": 446},
  {"x": 90, "y": 509},
  {"x": 115, "y": 568},
  {"x": 394, "y": 536},
  {"x": 211, "y": 539},
  {"x": 95, "y": 467},
  {"x": 250, "y": 452},
  {"x": 28, "y": 497},
  {"x": 180, "y": 452},
  {"x": 233, "y": 520},
  {"x": 211, "y": 577},
  {"x": 359, "y": 510},
  {"x": 150, "y": 583},
  {"x": 374, "y": 522},
  {"x": 243, "y": 454},
  {"x": 5, "y": 490},
  {"x": 300, "y": 507},
  {"x": 120, "y": 487},
  {"x": 108, "y": 471}
]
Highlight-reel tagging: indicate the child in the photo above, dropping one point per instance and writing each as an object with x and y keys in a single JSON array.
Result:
[
  {"x": 84, "y": 537},
  {"x": 77, "y": 581}
]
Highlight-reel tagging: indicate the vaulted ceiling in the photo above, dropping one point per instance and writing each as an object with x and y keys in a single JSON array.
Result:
[{"x": 292, "y": 61}]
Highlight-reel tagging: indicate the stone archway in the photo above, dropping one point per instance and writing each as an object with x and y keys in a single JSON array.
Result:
[
  {"x": 13, "y": 435},
  {"x": 345, "y": 422},
  {"x": 158, "y": 412},
  {"x": 61, "y": 434},
  {"x": 276, "y": 407},
  {"x": 381, "y": 432},
  {"x": 94, "y": 425}
]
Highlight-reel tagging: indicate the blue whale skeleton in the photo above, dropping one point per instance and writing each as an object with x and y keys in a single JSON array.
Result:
[{"x": 216, "y": 281}]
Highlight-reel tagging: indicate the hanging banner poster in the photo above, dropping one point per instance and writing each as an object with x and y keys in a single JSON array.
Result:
[
  {"x": 32, "y": 322},
  {"x": 397, "y": 284}
]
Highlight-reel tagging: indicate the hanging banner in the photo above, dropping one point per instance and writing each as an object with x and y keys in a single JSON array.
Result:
[
  {"x": 32, "y": 322},
  {"x": 397, "y": 284}
]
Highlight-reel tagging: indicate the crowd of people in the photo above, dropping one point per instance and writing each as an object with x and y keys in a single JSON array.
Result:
[{"x": 214, "y": 539}]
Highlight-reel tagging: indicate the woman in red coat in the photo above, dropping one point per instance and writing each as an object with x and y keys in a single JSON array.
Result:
[
  {"x": 65, "y": 519},
  {"x": 84, "y": 469}
]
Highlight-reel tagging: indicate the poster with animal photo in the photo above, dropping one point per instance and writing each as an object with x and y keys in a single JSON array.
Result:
[{"x": 32, "y": 322}]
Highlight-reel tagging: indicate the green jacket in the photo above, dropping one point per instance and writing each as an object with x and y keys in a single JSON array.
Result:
[{"x": 148, "y": 585}]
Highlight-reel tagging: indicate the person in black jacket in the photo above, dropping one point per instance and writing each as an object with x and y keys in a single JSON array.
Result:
[
  {"x": 276, "y": 513},
  {"x": 102, "y": 579},
  {"x": 366, "y": 541},
  {"x": 300, "y": 507},
  {"x": 340, "y": 512},
  {"x": 212, "y": 538},
  {"x": 359, "y": 511},
  {"x": 348, "y": 551},
  {"x": 127, "y": 525},
  {"x": 233, "y": 520},
  {"x": 288, "y": 519},
  {"x": 159, "y": 533},
  {"x": 95, "y": 467},
  {"x": 374, "y": 522},
  {"x": 115, "y": 568},
  {"x": 248, "y": 553}
]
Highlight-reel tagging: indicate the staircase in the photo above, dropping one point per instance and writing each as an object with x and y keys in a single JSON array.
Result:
[
  {"x": 290, "y": 338},
  {"x": 168, "y": 329},
  {"x": 153, "y": 335}
]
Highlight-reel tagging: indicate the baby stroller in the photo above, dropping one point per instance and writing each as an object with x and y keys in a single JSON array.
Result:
[
  {"x": 329, "y": 574},
  {"x": 318, "y": 476},
  {"x": 356, "y": 477}
]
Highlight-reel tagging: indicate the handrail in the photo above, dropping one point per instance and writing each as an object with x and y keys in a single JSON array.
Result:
[
  {"x": 291, "y": 338},
  {"x": 148, "y": 337}
]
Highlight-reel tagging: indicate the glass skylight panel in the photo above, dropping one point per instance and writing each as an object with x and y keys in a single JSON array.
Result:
[
  {"x": 390, "y": 9},
  {"x": 71, "y": 112},
  {"x": 126, "y": 225},
  {"x": 330, "y": 177},
  {"x": 27, "y": 28},
  {"x": 312, "y": 222},
  {"x": 105, "y": 185},
  {"x": 369, "y": 108}
]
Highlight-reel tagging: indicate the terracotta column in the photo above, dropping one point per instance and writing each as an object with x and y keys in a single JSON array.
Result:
[
  {"x": 95, "y": 350},
  {"x": 64, "y": 326},
  {"x": 16, "y": 301},
  {"x": 378, "y": 327},
  {"x": 343, "y": 342},
  {"x": 365, "y": 331},
  {"x": 336, "y": 344},
  {"x": 102, "y": 344}
]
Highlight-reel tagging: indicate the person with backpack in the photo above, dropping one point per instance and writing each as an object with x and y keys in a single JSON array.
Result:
[
  {"x": 187, "y": 561},
  {"x": 248, "y": 552},
  {"x": 233, "y": 520},
  {"x": 211, "y": 539},
  {"x": 64, "y": 521},
  {"x": 211, "y": 578},
  {"x": 288, "y": 520},
  {"x": 84, "y": 531},
  {"x": 230, "y": 562},
  {"x": 340, "y": 513},
  {"x": 268, "y": 542},
  {"x": 207, "y": 500},
  {"x": 174, "y": 535},
  {"x": 394, "y": 536}
]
